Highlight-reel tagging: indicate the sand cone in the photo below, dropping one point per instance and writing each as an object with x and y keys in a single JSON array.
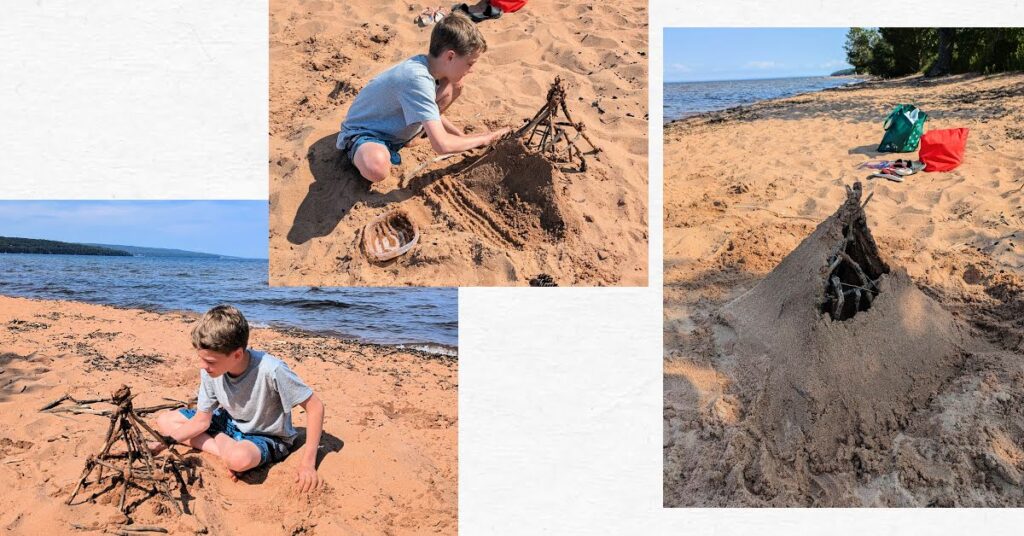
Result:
[{"x": 833, "y": 379}]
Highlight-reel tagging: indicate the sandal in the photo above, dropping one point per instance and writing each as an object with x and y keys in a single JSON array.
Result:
[
  {"x": 426, "y": 17},
  {"x": 490, "y": 12}
]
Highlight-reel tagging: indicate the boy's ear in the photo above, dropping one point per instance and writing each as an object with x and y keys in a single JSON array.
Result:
[
  {"x": 449, "y": 54},
  {"x": 237, "y": 353}
]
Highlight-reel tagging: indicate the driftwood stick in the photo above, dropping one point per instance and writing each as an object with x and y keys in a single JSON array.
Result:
[
  {"x": 143, "y": 528},
  {"x": 89, "y": 464},
  {"x": 837, "y": 306},
  {"x": 162, "y": 439},
  {"x": 54, "y": 403},
  {"x": 864, "y": 279}
]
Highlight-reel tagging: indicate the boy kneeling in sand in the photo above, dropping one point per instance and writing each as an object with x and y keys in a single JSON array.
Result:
[
  {"x": 244, "y": 412},
  {"x": 391, "y": 110}
]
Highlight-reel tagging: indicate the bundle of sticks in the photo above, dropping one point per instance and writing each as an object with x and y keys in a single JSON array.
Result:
[
  {"x": 135, "y": 466},
  {"x": 544, "y": 132},
  {"x": 851, "y": 284}
]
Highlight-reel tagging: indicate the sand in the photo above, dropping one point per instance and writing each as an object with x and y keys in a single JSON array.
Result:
[
  {"x": 322, "y": 53},
  {"x": 913, "y": 402},
  {"x": 388, "y": 456}
]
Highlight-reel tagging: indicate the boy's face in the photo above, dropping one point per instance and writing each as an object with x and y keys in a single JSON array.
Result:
[
  {"x": 216, "y": 363},
  {"x": 459, "y": 66}
]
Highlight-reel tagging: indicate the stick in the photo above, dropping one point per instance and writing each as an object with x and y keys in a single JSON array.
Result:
[
  {"x": 405, "y": 178},
  {"x": 837, "y": 307}
]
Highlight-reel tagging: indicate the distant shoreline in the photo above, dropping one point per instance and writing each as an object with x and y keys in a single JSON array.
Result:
[{"x": 689, "y": 115}]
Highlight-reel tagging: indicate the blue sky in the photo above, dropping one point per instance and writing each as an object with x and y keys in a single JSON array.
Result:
[
  {"x": 234, "y": 228},
  {"x": 701, "y": 54}
]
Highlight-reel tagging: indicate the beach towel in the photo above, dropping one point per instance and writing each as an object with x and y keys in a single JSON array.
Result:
[
  {"x": 943, "y": 150},
  {"x": 903, "y": 128},
  {"x": 508, "y": 6}
]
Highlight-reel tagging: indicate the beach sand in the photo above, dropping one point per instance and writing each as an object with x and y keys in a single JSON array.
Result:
[
  {"x": 743, "y": 188},
  {"x": 388, "y": 456},
  {"x": 322, "y": 53}
]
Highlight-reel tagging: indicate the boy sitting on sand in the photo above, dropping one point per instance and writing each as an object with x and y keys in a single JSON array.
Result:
[
  {"x": 244, "y": 412},
  {"x": 393, "y": 108}
]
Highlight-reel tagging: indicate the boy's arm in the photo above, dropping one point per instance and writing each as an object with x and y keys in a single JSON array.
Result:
[
  {"x": 193, "y": 427},
  {"x": 306, "y": 478},
  {"x": 450, "y": 127},
  {"x": 444, "y": 142}
]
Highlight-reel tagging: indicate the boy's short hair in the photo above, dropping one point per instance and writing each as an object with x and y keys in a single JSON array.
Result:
[
  {"x": 222, "y": 329},
  {"x": 458, "y": 33}
]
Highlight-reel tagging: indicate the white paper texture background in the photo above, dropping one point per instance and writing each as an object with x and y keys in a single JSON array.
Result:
[{"x": 560, "y": 389}]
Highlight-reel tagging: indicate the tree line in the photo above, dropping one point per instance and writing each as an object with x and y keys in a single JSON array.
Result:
[
  {"x": 31, "y": 245},
  {"x": 892, "y": 52}
]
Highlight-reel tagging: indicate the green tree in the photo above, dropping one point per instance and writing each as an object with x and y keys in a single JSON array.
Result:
[{"x": 859, "y": 42}]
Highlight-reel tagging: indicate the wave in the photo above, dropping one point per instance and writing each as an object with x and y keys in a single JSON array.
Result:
[{"x": 300, "y": 303}]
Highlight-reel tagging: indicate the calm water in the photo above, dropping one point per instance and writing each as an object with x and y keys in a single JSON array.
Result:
[
  {"x": 423, "y": 318},
  {"x": 683, "y": 99}
]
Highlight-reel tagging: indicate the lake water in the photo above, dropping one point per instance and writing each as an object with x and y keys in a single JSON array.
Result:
[
  {"x": 424, "y": 318},
  {"x": 683, "y": 99}
]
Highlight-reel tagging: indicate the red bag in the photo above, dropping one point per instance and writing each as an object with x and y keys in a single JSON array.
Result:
[
  {"x": 508, "y": 6},
  {"x": 943, "y": 150}
]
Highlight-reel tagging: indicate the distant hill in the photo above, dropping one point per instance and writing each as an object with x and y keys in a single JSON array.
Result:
[
  {"x": 53, "y": 247},
  {"x": 140, "y": 251},
  {"x": 845, "y": 72}
]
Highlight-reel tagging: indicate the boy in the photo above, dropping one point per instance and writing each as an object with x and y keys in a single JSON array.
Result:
[
  {"x": 400, "y": 102},
  {"x": 246, "y": 397}
]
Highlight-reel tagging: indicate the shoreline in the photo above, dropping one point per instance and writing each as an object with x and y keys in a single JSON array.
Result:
[
  {"x": 849, "y": 86},
  {"x": 426, "y": 346},
  {"x": 387, "y": 461}
]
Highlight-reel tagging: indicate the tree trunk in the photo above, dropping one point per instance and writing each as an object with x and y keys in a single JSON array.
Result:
[{"x": 944, "y": 62}]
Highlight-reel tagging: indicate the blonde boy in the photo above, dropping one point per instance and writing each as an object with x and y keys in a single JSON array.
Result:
[
  {"x": 246, "y": 397},
  {"x": 411, "y": 97}
]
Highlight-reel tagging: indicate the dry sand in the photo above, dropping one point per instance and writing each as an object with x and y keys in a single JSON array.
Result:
[
  {"x": 914, "y": 402},
  {"x": 322, "y": 53},
  {"x": 388, "y": 456}
]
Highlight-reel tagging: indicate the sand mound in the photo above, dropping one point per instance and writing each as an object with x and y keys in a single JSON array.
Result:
[
  {"x": 826, "y": 385},
  {"x": 507, "y": 198}
]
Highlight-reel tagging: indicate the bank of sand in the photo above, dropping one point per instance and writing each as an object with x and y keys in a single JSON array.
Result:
[
  {"x": 743, "y": 188},
  {"x": 322, "y": 53},
  {"x": 388, "y": 456}
]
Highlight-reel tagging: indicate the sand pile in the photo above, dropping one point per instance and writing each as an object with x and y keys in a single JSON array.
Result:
[
  {"x": 507, "y": 198},
  {"x": 320, "y": 58},
  {"x": 828, "y": 394}
]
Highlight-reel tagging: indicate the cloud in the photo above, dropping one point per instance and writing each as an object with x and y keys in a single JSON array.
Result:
[
  {"x": 762, "y": 65},
  {"x": 680, "y": 68}
]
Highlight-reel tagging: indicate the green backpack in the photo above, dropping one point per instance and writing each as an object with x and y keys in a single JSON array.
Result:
[{"x": 903, "y": 129}]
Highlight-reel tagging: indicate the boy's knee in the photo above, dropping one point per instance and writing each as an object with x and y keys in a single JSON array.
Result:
[
  {"x": 374, "y": 163},
  {"x": 376, "y": 172},
  {"x": 241, "y": 458}
]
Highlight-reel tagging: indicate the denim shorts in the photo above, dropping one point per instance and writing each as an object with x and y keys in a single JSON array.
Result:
[
  {"x": 271, "y": 448},
  {"x": 353, "y": 143}
]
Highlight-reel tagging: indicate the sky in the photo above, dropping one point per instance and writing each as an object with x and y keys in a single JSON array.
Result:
[
  {"x": 704, "y": 54},
  {"x": 232, "y": 228}
]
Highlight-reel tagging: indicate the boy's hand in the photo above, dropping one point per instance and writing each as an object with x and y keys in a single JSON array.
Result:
[
  {"x": 498, "y": 134},
  {"x": 306, "y": 479},
  {"x": 155, "y": 447}
]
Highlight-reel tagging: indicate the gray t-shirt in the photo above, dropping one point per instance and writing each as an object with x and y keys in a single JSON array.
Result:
[
  {"x": 392, "y": 106},
  {"x": 260, "y": 400}
]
